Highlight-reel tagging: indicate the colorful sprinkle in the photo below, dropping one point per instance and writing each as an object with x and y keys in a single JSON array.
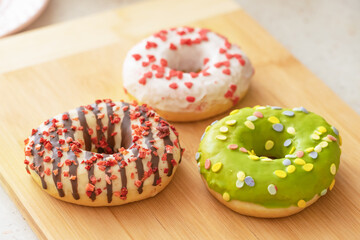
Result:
[
  {"x": 322, "y": 129},
  {"x": 272, "y": 189},
  {"x": 197, "y": 156},
  {"x": 252, "y": 118},
  {"x": 231, "y": 122},
  {"x": 291, "y": 130},
  {"x": 333, "y": 169},
  {"x": 276, "y": 108},
  {"x": 290, "y": 168},
  {"x": 243, "y": 150},
  {"x": 288, "y": 113},
  {"x": 249, "y": 181},
  {"x": 232, "y": 146},
  {"x": 299, "y": 154},
  {"x": 280, "y": 173},
  {"x": 202, "y": 137},
  {"x": 287, "y": 142},
  {"x": 240, "y": 176},
  {"x": 239, "y": 184},
  {"x": 226, "y": 196},
  {"x": 310, "y": 149},
  {"x": 290, "y": 156},
  {"x": 292, "y": 150},
  {"x": 278, "y": 127},
  {"x": 214, "y": 122},
  {"x": 313, "y": 155},
  {"x": 269, "y": 145},
  {"x": 318, "y": 148},
  {"x": 254, "y": 157},
  {"x": 308, "y": 167},
  {"x": 266, "y": 159},
  {"x": 207, "y": 164},
  {"x": 286, "y": 162},
  {"x": 332, "y": 185},
  {"x": 323, "y": 192},
  {"x": 216, "y": 167},
  {"x": 221, "y": 137},
  {"x": 301, "y": 203},
  {"x": 224, "y": 129},
  {"x": 332, "y": 138},
  {"x": 207, "y": 128},
  {"x": 299, "y": 161},
  {"x": 249, "y": 125},
  {"x": 324, "y": 144},
  {"x": 315, "y": 136},
  {"x": 234, "y": 112},
  {"x": 258, "y": 114},
  {"x": 335, "y": 130},
  {"x": 301, "y": 109},
  {"x": 273, "y": 119}
]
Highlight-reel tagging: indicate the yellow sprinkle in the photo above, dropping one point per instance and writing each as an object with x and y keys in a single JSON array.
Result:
[
  {"x": 231, "y": 122},
  {"x": 301, "y": 203},
  {"x": 291, "y": 130},
  {"x": 207, "y": 128},
  {"x": 322, "y": 129},
  {"x": 254, "y": 157},
  {"x": 324, "y": 144},
  {"x": 308, "y": 167},
  {"x": 315, "y": 137},
  {"x": 255, "y": 107},
  {"x": 317, "y": 132},
  {"x": 216, "y": 167},
  {"x": 266, "y": 160},
  {"x": 240, "y": 175},
  {"x": 310, "y": 149},
  {"x": 226, "y": 196},
  {"x": 332, "y": 185},
  {"x": 250, "y": 153},
  {"x": 290, "y": 168},
  {"x": 253, "y": 152},
  {"x": 273, "y": 119},
  {"x": 318, "y": 148},
  {"x": 250, "y": 125},
  {"x": 340, "y": 140},
  {"x": 221, "y": 137},
  {"x": 224, "y": 129},
  {"x": 292, "y": 150},
  {"x": 234, "y": 112},
  {"x": 280, "y": 173},
  {"x": 299, "y": 161},
  {"x": 269, "y": 144},
  {"x": 333, "y": 169},
  {"x": 326, "y": 139}
]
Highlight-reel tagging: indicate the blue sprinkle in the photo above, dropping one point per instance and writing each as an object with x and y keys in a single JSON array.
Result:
[
  {"x": 249, "y": 181},
  {"x": 288, "y": 113},
  {"x": 287, "y": 142},
  {"x": 278, "y": 127},
  {"x": 286, "y": 162},
  {"x": 276, "y": 108},
  {"x": 291, "y": 156},
  {"x": 197, "y": 156},
  {"x": 313, "y": 155},
  {"x": 202, "y": 137},
  {"x": 335, "y": 130},
  {"x": 252, "y": 118},
  {"x": 304, "y": 110},
  {"x": 214, "y": 122}
]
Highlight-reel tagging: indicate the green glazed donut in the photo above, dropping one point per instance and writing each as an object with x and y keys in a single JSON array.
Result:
[{"x": 269, "y": 161}]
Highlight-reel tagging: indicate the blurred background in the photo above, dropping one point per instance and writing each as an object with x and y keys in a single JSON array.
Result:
[{"x": 323, "y": 34}]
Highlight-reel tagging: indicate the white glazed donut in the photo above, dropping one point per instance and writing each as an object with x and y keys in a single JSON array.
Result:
[
  {"x": 107, "y": 153},
  {"x": 187, "y": 73}
]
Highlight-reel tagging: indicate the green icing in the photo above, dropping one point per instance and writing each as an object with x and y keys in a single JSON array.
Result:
[{"x": 299, "y": 185}]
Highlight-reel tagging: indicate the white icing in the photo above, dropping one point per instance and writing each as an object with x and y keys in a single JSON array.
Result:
[{"x": 207, "y": 90}]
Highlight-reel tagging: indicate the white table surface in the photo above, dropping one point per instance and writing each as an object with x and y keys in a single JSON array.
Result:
[{"x": 323, "y": 34}]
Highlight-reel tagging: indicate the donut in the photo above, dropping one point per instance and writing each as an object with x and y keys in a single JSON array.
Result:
[
  {"x": 187, "y": 73},
  {"x": 268, "y": 161},
  {"x": 103, "y": 154}
]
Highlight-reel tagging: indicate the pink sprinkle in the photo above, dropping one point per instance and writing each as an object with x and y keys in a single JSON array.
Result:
[
  {"x": 207, "y": 164},
  {"x": 243, "y": 149},
  {"x": 332, "y": 138},
  {"x": 233, "y": 146},
  {"x": 299, "y": 154},
  {"x": 258, "y": 114},
  {"x": 136, "y": 56}
]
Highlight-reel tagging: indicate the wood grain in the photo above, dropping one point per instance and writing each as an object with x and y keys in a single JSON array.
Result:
[{"x": 49, "y": 71}]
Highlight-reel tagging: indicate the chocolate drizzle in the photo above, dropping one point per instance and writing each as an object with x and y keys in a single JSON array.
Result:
[
  {"x": 83, "y": 123},
  {"x": 111, "y": 127},
  {"x": 109, "y": 188},
  {"x": 99, "y": 133},
  {"x": 164, "y": 133},
  {"x": 88, "y": 155},
  {"x": 126, "y": 137}
]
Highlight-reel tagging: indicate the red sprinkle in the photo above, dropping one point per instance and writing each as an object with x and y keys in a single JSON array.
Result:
[
  {"x": 226, "y": 71},
  {"x": 206, "y": 60},
  {"x": 150, "y": 45},
  {"x": 190, "y": 99},
  {"x": 136, "y": 56},
  {"x": 188, "y": 84},
  {"x": 59, "y": 185},
  {"x": 172, "y": 46},
  {"x": 142, "y": 81},
  {"x": 173, "y": 86},
  {"x": 221, "y": 50},
  {"x": 194, "y": 75},
  {"x": 163, "y": 62}
]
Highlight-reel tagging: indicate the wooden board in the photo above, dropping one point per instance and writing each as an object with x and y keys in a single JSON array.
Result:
[{"x": 48, "y": 71}]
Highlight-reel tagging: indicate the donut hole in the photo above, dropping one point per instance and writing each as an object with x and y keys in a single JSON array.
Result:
[{"x": 186, "y": 59}]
